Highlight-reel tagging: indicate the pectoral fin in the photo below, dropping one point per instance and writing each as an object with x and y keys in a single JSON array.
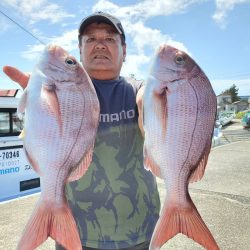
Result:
[
  {"x": 49, "y": 95},
  {"x": 160, "y": 100}
]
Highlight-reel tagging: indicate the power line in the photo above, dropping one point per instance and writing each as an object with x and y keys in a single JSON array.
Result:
[{"x": 22, "y": 28}]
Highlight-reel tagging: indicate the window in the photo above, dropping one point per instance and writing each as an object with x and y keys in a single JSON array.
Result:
[
  {"x": 4, "y": 123},
  {"x": 10, "y": 124}
]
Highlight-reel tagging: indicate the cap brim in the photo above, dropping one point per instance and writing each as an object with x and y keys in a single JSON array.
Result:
[{"x": 97, "y": 18}]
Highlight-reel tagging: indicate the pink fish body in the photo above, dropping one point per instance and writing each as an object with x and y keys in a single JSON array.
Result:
[
  {"x": 61, "y": 120},
  {"x": 179, "y": 115}
]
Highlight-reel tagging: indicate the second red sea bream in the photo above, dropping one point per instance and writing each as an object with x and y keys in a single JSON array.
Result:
[{"x": 179, "y": 110}]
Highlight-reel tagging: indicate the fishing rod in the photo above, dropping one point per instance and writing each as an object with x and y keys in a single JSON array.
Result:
[{"x": 20, "y": 26}]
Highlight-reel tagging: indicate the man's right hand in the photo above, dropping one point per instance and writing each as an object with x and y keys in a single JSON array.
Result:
[{"x": 17, "y": 76}]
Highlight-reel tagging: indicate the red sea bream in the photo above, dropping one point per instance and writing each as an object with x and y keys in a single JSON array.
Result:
[
  {"x": 61, "y": 118},
  {"x": 179, "y": 114}
]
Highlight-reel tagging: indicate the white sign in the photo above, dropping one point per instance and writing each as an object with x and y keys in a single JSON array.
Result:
[{"x": 17, "y": 178}]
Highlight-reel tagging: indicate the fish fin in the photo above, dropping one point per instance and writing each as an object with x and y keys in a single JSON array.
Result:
[
  {"x": 81, "y": 169},
  {"x": 48, "y": 94},
  {"x": 161, "y": 110},
  {"x": 32, "y": 161},
  {"x": 174, "y": 220},
  {"x": 149, "y": 164},
  {"x": 198, "y": 173},
  {"x": 22, "y": 103},
  {"x": 58, "y": 223}
]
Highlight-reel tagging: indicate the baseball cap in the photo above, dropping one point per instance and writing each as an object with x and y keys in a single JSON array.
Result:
[{"x": 102, "y": 17}]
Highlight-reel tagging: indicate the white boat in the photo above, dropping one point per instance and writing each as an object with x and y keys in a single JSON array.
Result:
[{"x": 225, "y": 117}]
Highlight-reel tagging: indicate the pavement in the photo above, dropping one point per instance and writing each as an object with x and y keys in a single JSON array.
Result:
[{"x": 222, "y": 197}]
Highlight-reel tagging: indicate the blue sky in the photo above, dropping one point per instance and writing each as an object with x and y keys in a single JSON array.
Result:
[{"x": 215, "y": 33}]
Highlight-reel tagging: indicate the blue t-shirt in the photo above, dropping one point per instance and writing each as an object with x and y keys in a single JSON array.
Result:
[{"x": 116, "y": 203}]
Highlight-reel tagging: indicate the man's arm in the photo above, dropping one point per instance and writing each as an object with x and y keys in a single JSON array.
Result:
[
  {"x": 139, "y": 102},
  {"x": 17, "y": 75}
]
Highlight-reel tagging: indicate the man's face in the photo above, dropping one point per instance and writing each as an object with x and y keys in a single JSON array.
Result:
[{"x": 102, "y": 52}]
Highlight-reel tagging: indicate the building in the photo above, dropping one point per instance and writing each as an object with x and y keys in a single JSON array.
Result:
[{"x": 224, "y": 103}]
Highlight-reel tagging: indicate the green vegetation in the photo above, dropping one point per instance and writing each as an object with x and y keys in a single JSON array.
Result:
[
  {"x": 233, "y": 92},
  {"x": 239, "y": 115}
]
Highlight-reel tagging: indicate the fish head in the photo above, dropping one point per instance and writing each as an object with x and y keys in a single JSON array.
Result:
[
  {"x": 171, "y": 64},
  {"x": 57, "y": 72},
  {"x": 59, "y": 67}
]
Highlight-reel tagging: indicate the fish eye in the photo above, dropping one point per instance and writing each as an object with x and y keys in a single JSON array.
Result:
[
  {"x": 70, "y": 61},
  {"x": 179, "y": 59}
]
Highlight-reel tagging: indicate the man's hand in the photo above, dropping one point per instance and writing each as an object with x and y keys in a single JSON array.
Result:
[
  {"x": 17, "y": 75},
  {"x": 139, "y": 102}
]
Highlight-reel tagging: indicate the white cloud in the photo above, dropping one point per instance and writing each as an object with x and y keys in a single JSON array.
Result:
[
  {"x": 145, "y": 40},
  {"x": 38, "y": 10},
  {"x": 32, "y": 52},
  {"x": 222, "y": 9},
  {"x": 68, "y": 41},
  {"x": 151, "y": 38},
  {"x": 145, "y": 9},
  {"x": 131, "y": 65}
]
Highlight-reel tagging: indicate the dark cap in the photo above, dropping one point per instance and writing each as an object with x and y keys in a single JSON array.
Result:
[{"x": 102, "y": 17}]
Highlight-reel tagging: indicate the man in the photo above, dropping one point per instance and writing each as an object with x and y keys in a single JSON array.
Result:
[{"x": 116, "y": 203}]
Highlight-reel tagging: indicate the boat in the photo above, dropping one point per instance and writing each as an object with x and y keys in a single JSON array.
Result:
[{"x": 225, "y": 117}]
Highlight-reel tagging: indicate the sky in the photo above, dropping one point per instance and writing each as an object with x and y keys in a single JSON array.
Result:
[{"x": 216, "y": 33}]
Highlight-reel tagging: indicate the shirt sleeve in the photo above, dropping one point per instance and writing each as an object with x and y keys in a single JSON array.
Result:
[{"x": 137, "y": 84}]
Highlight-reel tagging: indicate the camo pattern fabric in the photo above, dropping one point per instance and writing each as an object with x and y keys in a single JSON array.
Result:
[{"x": 116, "y": 203}]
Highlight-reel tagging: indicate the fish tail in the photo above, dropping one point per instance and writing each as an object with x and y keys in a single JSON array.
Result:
[
  {"x": 58, "y": 223},
  {"x": 174, "y": 220}
]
